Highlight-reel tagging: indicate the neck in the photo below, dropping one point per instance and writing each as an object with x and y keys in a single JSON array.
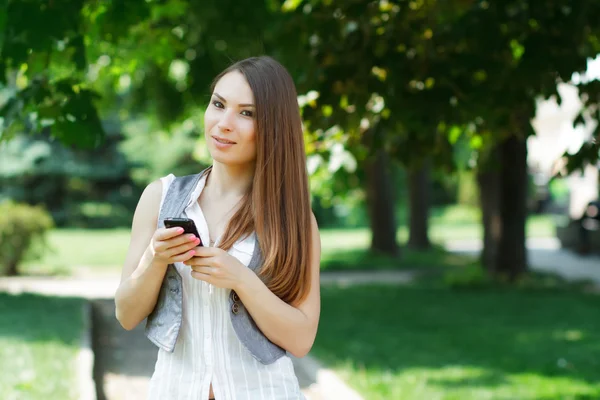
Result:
[{"x": 229, "y": 180}]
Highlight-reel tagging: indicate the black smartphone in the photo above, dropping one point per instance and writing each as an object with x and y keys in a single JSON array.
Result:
[{"x": 187, "y": 224}]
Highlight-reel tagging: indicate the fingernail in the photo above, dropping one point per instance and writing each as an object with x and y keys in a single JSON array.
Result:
[
  {"x": 180, "y": 230},
  {"x": 192, "y": 237},
  {"x": 192, "y": 252}
]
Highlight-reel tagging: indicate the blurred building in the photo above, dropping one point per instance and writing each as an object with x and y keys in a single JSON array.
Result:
[{"x": 555, "y": 134}]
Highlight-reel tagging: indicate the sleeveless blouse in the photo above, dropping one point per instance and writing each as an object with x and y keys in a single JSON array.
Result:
[{"x": 207, "y": 349}]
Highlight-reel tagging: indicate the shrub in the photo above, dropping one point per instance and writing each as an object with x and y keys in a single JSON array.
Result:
[
  {"x": 22, "y": 231},
  {"x": 472, "y": 276}
]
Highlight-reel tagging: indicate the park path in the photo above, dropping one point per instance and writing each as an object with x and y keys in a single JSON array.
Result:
[
  {"x": 545, "y": 255},
  {"x": 124, "y": 360}
]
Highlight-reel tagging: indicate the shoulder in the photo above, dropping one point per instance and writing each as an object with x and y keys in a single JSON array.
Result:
[
  {"x": 313, "y": 221},
  {"x": 151, "y": 196},
  {"x": 314, "y": 225},
  {"x": 315, "y": 235},
  {"x": 154, "y": 192}
]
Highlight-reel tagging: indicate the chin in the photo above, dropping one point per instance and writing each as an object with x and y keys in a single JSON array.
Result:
[{"x": 229, "y": 159}]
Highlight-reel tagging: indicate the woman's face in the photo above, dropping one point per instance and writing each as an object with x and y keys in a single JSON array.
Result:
[{"x": 229, "y": 121}]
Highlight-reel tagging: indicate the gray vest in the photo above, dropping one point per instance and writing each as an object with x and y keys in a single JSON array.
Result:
[{"x": 162, "y": 325}]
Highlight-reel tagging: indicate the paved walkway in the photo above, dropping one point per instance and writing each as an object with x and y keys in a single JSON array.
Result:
[
  {"x": 104, "y": 287},
  {"x": 545, "y": 255},
  {"x": 125, "y": 360}
]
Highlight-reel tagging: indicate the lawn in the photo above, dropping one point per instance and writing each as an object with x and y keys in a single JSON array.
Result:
[
  {"x": 425, "y": 342},
  {"x": 103, "y": 251},
  {"x": 39, "y": 341}
]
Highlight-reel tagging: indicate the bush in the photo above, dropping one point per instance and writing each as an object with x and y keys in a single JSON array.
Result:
[
  {"x": 22, "y": 231},
  {"x": 470, "y": 277}
]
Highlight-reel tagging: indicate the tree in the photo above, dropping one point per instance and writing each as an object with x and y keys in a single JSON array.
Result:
[
  {"x": 419, "y": 199},
  {"x": 152, "y": 57},
  {"x": 524, "y": 52},
  {"x": 417, "y": 70},
  {"x": 394, "y": 75},
  {"x": 368, "y": 60}
]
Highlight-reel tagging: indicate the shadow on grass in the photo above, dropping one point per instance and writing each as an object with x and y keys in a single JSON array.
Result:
[
  {"x": 39, "y": 340},
  {"x": 365, "y": 260},
  {"x": 40, "y": 318},
  {"x": 119, "y": 352},
  {"x": 509, "y": 336},
  {"x": 487, "y": 378}
]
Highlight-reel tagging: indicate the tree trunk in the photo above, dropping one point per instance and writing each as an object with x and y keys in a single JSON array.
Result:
[
  {"x": 511, "y": 255},
  {"x": 11, "y": 269},
  {"x": 488, "y": 179},
  {"x": 419, "y": 202},
  {"x": 380, "y": 204}
]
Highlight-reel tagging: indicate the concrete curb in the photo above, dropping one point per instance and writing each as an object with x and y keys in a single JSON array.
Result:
[
  {"x": 85, "y": 357},
  {"x": 326, "y": 384},
  {"x": 353, "y": 278}
]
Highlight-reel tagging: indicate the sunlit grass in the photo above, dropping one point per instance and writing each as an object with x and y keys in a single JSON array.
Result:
[
  {"x": 80, "y": 250},
  {"x": 39, "y": 340},
  {"x": 103, "y": 251},
  {"x": 431, "y": 342}
]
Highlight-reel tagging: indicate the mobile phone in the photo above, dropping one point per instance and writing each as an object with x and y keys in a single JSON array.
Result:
[{"x": 187, "y": 224}]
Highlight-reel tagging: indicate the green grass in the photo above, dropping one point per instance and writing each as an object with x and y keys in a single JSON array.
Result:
[
  {"x": 425, "y": 342},
  {"x": 80, "y": 250},
  {"x": 39, "y": 340},
  {"x": 103, "y": 251},
  {"x": 408, "y": 342},
  {"x": 361, "y": 259}
]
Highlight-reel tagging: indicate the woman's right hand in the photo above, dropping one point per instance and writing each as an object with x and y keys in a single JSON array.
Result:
[{"x": 168, "y": 245}]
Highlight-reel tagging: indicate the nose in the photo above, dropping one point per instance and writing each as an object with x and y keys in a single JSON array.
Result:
[{"x": 225, "y": 124}]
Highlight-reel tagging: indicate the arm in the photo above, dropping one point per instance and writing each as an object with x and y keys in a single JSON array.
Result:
[
  {"x": 150, "y": 251},
  {"x": 141, "y": 277},
  {"x": 293, "y": 328}
]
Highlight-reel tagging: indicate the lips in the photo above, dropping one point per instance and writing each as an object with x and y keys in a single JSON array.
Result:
[{"x": 223, "y": 140}]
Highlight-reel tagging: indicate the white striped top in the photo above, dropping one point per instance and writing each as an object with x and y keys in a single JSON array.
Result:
[{"x": 207, "y": 349}]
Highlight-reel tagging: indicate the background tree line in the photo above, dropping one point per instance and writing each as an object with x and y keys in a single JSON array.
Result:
[{"x": 100, "y": 97}]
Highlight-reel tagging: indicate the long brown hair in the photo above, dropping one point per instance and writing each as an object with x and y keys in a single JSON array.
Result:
[{"x": 277, "y": 205}]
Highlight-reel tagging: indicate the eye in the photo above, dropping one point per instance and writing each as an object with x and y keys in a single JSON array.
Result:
[
  {"x": 247, "y": 113},
  {"x": 218, "y": 104}
]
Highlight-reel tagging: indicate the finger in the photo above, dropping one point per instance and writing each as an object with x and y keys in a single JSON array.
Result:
[
  {"x": 183, "y": 257},
  {"x": 182, "y": 248},
  {"x": 168, "y": 233},
  {"x": 203, "y": 269},
  {"x": 201, "y": 276},
  {"x": 202, "y": 251},
  {"x": 188, "y": 241},
  {"x": 176, "y": 246},
  {"x": 197, "y": 260}
]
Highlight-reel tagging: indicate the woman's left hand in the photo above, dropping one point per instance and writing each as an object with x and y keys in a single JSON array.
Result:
[{"x": 217, "y": 267}]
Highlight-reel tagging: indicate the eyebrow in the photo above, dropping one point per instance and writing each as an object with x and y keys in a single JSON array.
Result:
[{"x": 225, "y": 101}]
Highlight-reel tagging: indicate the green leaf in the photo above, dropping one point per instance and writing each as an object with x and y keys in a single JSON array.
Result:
[
  {"x": 476, "y": 142},
  {"x": 517, "y": 49},
  {"x": 79, "y": 56},
  {"x": 454, "y": 134},
  {"x": 3, "y": 19},
  {"x": 11, "y": 109},
  {"x": 2, "y": 71},
  {"x": 290, "y": 5}
]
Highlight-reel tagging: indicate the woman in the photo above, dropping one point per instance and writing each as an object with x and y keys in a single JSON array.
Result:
[{"x": 252, "y": 204}]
